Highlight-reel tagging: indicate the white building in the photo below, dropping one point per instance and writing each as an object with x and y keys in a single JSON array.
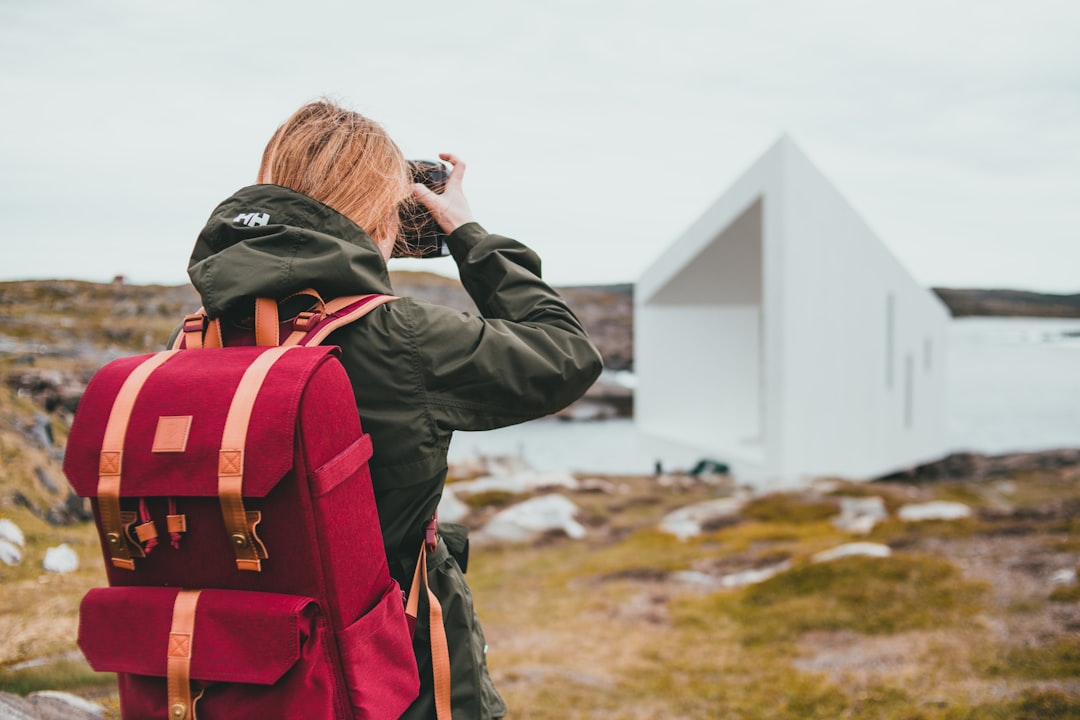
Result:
[{"x": 779, "y": 335}]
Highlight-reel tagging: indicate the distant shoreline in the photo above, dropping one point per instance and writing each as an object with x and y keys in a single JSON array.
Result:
[{"x": 1008, "y": 303}]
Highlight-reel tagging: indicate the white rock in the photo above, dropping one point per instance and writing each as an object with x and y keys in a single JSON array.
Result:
[
  {"x": 521, "y": 482},
  {"x": 10, "y": 553},
  {"x": 865, "y": 549},
  {"x": 10, "y": 531},
  {"x": 859, "y": 514},
  {"x": 540, "y": 514},
  {"x": 65, "y": 706},
  {"x": 938, "y": 510},
  {"x": 1064, "y": 577},
  {"x": 752, "y": 577},
  {"x": 61, "y": 559},
  {"x": 450, "y": 508},
  {"x": 686, "y": 522}
]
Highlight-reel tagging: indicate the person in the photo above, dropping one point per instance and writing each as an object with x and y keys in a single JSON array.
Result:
[{"x": 325, "y": 214}]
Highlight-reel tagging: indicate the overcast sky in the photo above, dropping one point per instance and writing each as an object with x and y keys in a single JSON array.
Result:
[{"x": 595, "y": 131}]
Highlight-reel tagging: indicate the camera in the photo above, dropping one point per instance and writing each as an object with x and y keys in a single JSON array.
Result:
[{"x": 421, "y": 236}]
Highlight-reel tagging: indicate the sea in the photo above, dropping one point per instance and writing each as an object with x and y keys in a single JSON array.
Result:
[{"x": 1013, "y": 385}]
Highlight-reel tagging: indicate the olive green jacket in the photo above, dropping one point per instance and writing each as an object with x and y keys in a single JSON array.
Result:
[{"x": 419, "y": 371}]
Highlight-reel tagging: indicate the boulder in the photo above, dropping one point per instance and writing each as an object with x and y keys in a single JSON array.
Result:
[
  {"x": 686, "y": 522},
  {"x": 753, "y": 576},
  {"x": 533, "y": 517},
  {"x": 864, "y": 549},
  {"x": 52, "y": 705},
  {"x": 937, "y": 510},
  {"x": 517, "y": 483},
  {"x": 11, "y": 532},
  {"x": 10, "y": 553},
  {"x": 11, "y": 542},
  {"x": 858, "y": 515},
  {"x": 61, "y": 559},
  {"x": 48, "y": 705}
]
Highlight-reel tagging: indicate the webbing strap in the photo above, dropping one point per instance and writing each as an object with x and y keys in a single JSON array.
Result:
[
  {"x": 332, "y": 322},
  {"x": 110, "y": 466},
  {"x": 178, "y": 662},
  {"x": 239, "y": 523},
  {"x": 440, "y": 651}
]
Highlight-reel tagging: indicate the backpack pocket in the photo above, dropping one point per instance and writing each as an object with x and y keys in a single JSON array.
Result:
[
  {"x": 377, "y": 656},
  {"x": 249, "y": 654}
]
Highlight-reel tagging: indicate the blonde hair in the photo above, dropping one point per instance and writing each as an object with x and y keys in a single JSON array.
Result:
[{"x": 342, "y": 159}]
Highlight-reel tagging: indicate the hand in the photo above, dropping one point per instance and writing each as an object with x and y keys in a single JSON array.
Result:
[{"x": 450, "y": 208}]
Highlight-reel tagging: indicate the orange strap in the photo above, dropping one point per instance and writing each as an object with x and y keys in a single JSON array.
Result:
[
  {"x": 440, "y": 651},
  {"x": 113, "y": 522},
  {"x": 195, "y": 327},
  {"x": 301, "y": 336},
  {"x": 239, "y": 523},
  {"x": 178, "y": 664},
  {"x": 266, "y": 322}
]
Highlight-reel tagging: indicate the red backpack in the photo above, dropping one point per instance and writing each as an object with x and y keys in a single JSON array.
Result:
[{"x": 242, "y": 545}]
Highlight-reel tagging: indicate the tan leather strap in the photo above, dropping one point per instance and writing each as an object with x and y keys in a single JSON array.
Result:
[
  {"x": 239, "y": 523},
  {"x": 301, "y": 337},
  {"x": 440, "y": 651},
  {"x": 110, "y": 467},
  {"x": 213, "y": 337},
  {"x": 266, "y": 322},
  {"x": 178, "y": 665},
  {"x": 198, "y": 331}
]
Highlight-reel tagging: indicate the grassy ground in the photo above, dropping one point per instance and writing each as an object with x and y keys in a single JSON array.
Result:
[
  {"x": 605, "y": 629},
  {"x": 960, "y": 623}
]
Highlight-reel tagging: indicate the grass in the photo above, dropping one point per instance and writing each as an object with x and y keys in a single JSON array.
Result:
[
  {"x": 790, "y": 508},
  {"x": 61, "y": 675},
  {"x": 865, "y": 595},
  {"x": 1056, "y": 660}
]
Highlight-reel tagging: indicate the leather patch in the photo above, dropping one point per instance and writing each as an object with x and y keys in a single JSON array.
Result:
[
  {"x": 110, "y": 463},
  {"x": 179, "y": 645},
  {"x": 172, "y": 434},
  {"x": 230, "y": 462}
]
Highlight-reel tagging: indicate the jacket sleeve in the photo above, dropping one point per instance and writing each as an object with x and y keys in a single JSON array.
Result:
[{"x": 527, "y": 356}]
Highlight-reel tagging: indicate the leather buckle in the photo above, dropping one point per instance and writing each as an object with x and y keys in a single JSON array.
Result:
[
  {"x": 306, "y": 320},
  {"x": 195, "y": 323}
]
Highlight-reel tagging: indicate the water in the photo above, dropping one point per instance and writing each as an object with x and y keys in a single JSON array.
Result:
[{"x": 1014, "y": 384}]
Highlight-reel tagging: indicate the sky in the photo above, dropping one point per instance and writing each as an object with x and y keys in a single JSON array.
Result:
[{"x": 594, "y": 131}]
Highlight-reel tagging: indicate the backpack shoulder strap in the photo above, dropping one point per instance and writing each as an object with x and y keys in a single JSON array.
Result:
[
  {"x": 309, "y": 327},
  {"x": 312, "y": 328}
]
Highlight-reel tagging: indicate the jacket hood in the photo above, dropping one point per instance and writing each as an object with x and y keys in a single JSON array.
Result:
[{"x": 270, "y": 241}]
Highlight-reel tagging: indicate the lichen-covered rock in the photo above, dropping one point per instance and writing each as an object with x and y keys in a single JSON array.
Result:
[
  {"x": 533, "y": 517},
  {"x": 686, "y": 522},
  {"x": 859, "y": 515}
]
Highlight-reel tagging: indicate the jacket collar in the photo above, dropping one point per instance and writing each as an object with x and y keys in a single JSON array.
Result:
[{"x": 270, "y": 241}]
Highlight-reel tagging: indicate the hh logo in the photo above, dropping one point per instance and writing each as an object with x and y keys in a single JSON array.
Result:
[{"x": 252, "y": 219}]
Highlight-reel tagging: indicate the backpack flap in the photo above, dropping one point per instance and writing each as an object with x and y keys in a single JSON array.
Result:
[{"x": 198, "y": 423}]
